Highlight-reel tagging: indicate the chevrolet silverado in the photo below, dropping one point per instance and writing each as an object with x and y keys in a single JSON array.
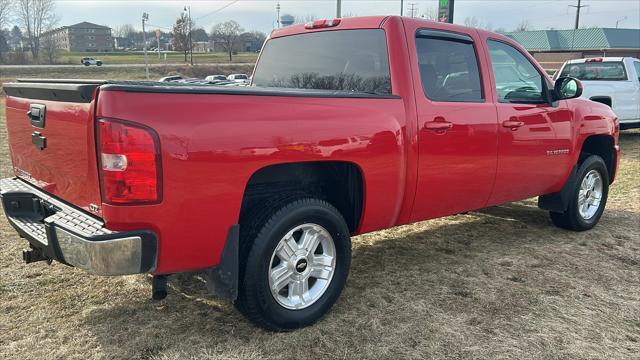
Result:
[{"x": 349, "y": 126}]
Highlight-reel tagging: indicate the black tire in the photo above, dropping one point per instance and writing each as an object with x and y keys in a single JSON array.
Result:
[
  {"x": 99, "y": 63},
  {"x": 255, "y": 299},
  {"x": 571, "y": 218},
  {"x": 86, "y": 64}
]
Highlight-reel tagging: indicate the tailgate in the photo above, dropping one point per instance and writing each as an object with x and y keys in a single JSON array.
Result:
[{"x": 50, "y": 127}]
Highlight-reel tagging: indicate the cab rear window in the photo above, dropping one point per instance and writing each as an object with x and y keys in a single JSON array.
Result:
[
  {"x": 608, "y": 71},
  {"x": 345, "y": 60}
]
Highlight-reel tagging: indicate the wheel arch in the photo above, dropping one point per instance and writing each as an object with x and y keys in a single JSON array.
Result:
[
  {"x": 603, "y": 146},
  {"x": 341, "y": 183}
]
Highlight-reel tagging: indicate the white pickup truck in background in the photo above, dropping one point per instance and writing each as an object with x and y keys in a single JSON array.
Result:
[{"x": 614, "y": 81}]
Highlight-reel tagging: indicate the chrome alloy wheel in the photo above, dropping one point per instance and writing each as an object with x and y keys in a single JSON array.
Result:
[
  {"x": 302, "y": 266},
  {"x": 590, "y": 194}
]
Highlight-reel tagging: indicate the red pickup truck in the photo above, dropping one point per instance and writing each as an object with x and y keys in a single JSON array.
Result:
[{"x": 350, "y": 126}]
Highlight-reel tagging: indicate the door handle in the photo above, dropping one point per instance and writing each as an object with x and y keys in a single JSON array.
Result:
[
  {"x": 441, "y": 125},
  {"x": 513, "y": 124}
]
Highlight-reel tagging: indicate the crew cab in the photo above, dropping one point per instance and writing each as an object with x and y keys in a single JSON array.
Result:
[
  {"x": 90, "y": 61},
  {"x": 349, "y": 126},
  {"x": 614, "y": 81}
]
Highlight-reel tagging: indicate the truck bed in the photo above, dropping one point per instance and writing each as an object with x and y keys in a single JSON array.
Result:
[{"x": 73, "y": 90}]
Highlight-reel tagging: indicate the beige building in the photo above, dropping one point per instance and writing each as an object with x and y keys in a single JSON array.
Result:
[{"x": 84, "y": 36}]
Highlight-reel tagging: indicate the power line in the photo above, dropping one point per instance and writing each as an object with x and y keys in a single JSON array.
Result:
[{"x": 217, "y": 10}]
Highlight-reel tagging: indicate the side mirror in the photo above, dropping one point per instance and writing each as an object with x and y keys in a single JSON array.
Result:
[{"x": 567, "y": 88}]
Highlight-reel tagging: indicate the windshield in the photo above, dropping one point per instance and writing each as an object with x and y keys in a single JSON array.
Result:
[
  {"x": 596, "y": 71},
  {"x": 349, "y": 60}
]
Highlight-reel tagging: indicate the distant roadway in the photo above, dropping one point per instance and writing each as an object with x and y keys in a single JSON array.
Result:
[{"x": 115, "y": 65}]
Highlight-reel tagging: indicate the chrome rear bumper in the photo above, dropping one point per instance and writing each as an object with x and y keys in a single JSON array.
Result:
[{"x": 73, "y": 236}]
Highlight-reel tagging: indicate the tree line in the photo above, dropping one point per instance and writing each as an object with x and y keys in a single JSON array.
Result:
[
  {"x": 228, "y": 36},
  {"x": 34, "y": 18}
]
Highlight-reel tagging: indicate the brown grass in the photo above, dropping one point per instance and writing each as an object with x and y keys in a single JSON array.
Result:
[{"x": 498, "y": 283}]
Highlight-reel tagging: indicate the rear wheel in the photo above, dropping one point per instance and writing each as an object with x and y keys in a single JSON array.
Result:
[
  {"x": 296, "y": 267},
  {"x": 588, "y": 199}
]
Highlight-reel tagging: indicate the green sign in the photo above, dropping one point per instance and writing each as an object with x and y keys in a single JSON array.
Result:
[{"x": 445, "y": 11}]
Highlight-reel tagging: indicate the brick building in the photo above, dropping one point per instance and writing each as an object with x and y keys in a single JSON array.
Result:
[
  {"x": 553, "y": 47},
  {"x": 84, "y": 36}
]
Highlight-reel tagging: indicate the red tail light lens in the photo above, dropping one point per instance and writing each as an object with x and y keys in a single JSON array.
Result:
[{"x": 129, "y": 160}]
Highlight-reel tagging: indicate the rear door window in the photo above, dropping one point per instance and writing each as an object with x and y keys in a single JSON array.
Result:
[
  {"x": 448, "y": 66},
  {"x": 345, "y": 60}
]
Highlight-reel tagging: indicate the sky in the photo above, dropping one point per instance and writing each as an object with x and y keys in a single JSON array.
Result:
[{"x": 261, "y": 14}]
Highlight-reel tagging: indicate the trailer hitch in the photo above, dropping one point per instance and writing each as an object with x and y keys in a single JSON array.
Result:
[{"x": 34, "y": 255}]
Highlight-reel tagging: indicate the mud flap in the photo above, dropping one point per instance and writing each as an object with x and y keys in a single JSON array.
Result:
[
  {"x": 222, "y": 281},
  {"x": 559, "y": 201}
]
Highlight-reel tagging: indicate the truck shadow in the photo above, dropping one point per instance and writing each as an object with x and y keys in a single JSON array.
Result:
[{"x": 442, "y": 262}]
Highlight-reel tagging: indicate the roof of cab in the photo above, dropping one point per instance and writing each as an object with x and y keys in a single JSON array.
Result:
[
  {"x": 362, "y": 22},
  {"x": 376, "y": 22}
]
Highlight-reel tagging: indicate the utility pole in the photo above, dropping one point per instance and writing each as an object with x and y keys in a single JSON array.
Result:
[
  {"x": 187, "y": 9},
  {"x": 158, "y": 39},
  {"x": 412, "y": 9},
  {"x": 278, "y": 14},
  {"x": 401, "y": 7},
  {"x": 145, "y": 17},
  {"x": 339, "y": 9},
  {"x": 578, "y": 7}
]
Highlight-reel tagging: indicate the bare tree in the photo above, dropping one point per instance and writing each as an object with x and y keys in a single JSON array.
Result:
[
  {"x": 180, "y": 40},
  {"x": 430, "y": 14},
  {"x": 305, "y": 19},
  {"x": 124, "y": 31},
  {"x": 35, "y": 16},
  {"x": 49, "y": 47},
  {"x": 472, "y": 21},
  {"x": 524, "y": 25},
  {"x": 6, "y": 7},
  {"x": 227, "y": 34}
]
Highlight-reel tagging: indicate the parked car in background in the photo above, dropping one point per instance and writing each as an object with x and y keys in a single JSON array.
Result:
[
  {"x": 614, "y": 81},
  {"x": 212, "y": 78},
  {"x": 90, "y": 61},
  {"x": 171, "y": 78},
  {"x": 350, "y": 126},
  {"x": 239, "y": 78}
]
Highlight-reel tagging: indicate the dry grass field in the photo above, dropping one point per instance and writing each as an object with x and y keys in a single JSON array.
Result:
[{"x": 498, "y": 283}]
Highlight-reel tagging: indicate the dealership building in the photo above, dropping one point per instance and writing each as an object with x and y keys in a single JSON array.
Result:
[{"x": 553, "y": 47}]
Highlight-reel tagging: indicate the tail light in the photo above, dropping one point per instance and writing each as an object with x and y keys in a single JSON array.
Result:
[{"x": 129, "y": 157}]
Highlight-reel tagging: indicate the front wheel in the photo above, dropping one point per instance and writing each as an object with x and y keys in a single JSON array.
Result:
[
  {"x": 296, "y": 267},
  {"x": 588, "y": 198}
]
